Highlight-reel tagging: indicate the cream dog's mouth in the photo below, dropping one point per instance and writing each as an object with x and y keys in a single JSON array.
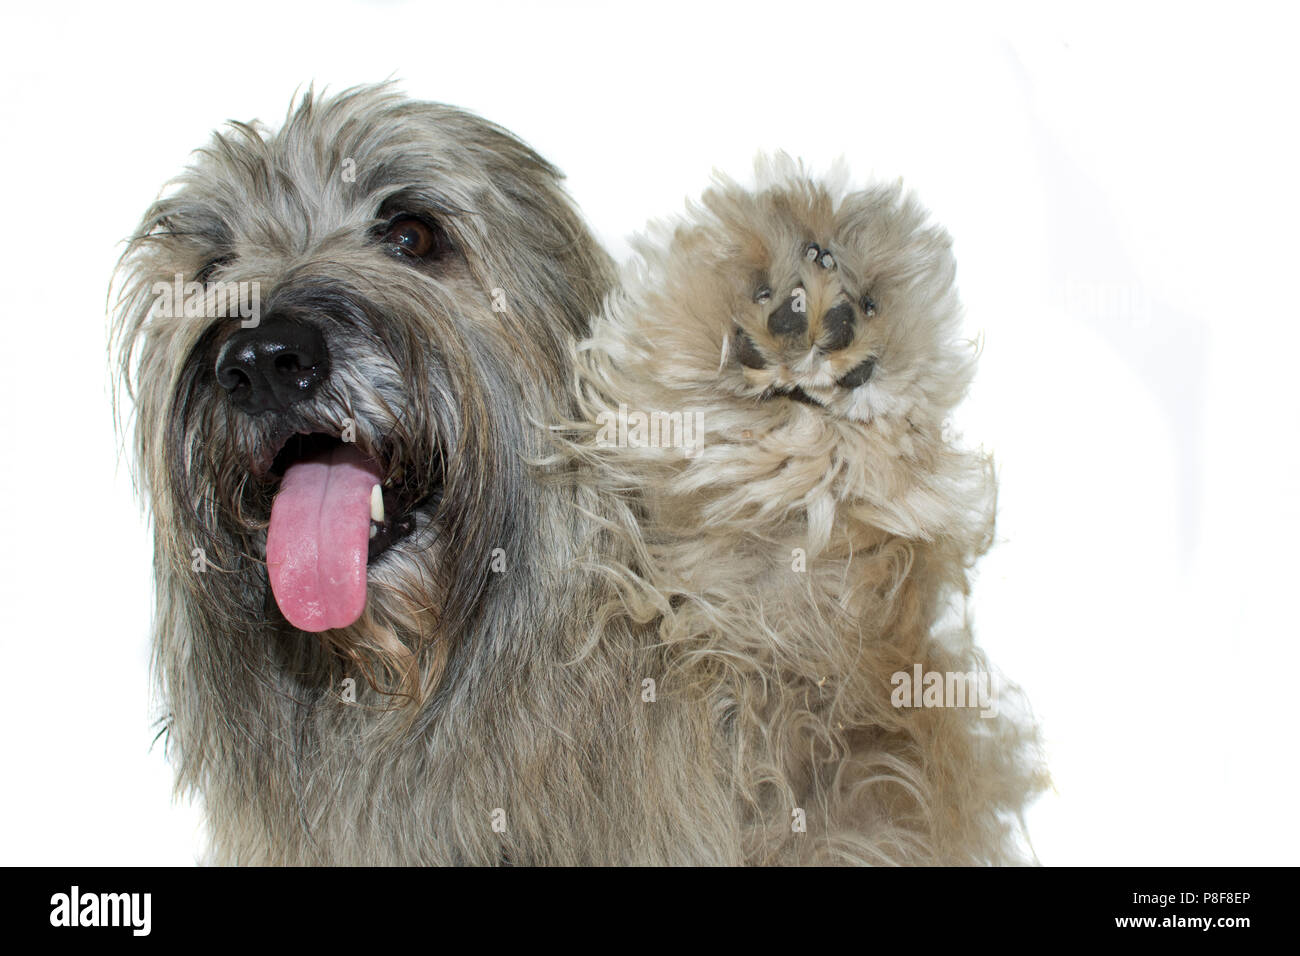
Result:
[{"x": 792, "y": 392}]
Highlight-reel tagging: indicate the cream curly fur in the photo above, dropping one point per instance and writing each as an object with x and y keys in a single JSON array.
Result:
[{"x": 808, "y": 552}]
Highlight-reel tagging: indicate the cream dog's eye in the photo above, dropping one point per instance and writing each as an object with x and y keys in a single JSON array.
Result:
[{"x": 206, "y": 272}]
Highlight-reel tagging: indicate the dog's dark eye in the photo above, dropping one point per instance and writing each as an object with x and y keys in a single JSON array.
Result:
[
  {"x": 206, "y": 272},
  {"x": 416, "y": 238},
  {"x": 868, "y": 306}
]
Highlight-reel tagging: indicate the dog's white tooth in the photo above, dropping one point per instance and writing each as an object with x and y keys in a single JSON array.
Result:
[
  {"x": 374, "y": 530},
  {"x": 377, "y": 504}
]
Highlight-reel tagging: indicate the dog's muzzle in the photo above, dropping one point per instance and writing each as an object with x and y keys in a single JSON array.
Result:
[
  {"x": 321, "y": 522},
  {"x": 273, "y": 366}
]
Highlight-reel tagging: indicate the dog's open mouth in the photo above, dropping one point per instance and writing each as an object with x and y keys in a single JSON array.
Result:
[{"x": 336, "y": 511}]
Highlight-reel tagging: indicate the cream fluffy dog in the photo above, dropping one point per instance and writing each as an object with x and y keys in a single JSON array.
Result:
[{"x": 811, "y": 542}]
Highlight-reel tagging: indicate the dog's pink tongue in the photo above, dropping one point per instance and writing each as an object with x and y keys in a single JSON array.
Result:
[{"x": 320, "y": 533}]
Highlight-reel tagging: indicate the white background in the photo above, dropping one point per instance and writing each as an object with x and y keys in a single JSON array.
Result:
[{"x": 1121, "y": 185}]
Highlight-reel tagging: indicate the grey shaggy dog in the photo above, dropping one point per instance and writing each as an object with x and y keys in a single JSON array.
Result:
[{"x": 535, "y": 644}]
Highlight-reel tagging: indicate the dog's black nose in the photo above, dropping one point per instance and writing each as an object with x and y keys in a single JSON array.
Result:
[{"x": 273, "y": 366}]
